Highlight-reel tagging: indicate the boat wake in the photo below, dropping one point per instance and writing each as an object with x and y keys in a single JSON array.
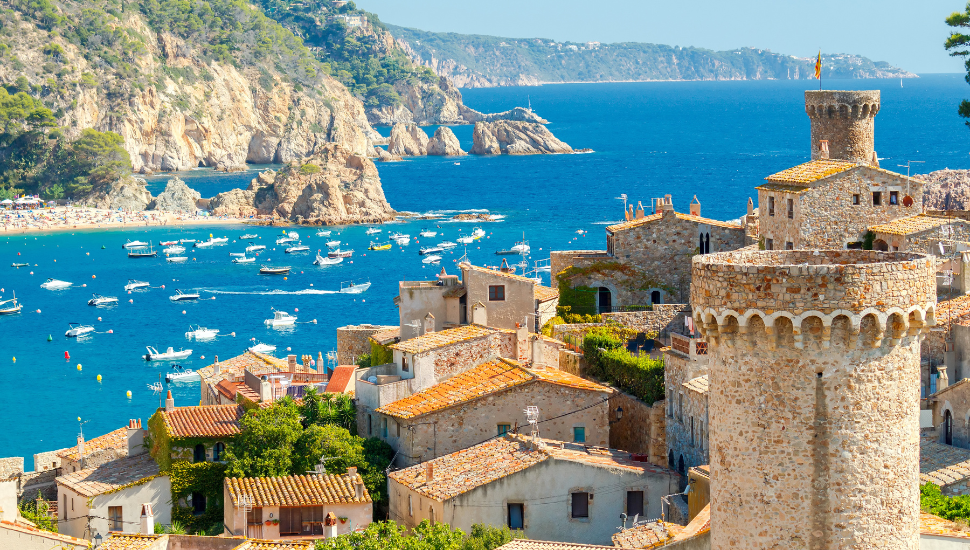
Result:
[{"x": 275, "y": 292}]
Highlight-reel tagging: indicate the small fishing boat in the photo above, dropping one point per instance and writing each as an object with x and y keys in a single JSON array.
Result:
[
  {"x": 183, "y": 296},
  {"x": 203, "y": 244},
  {"x": 337, "y": 253},
  {"x": 237, "y": 254},
  {"x": 280, "y": 319},
  {"x": 243, "y": 260},
  {"x": 168, "y": 243},
  {"x": 446, "y": 245},
  {"x": 134, "y": 244},
  {"x": 300, "y": 247},
  {"x": 77, "y": 329},
  {"x": 99, "y": 300},
  {"x": 186, "y": 241},
  {"x": 373, "y": 231},
  {"x": 324, "y": 233},
  {"x": 403, "y": 241},
  {"x": 379, "y": 246},
  {"x": 333, "y": 244},
  {"x": 142, "y": 253},
  {"x": 430, "y": 250},
  {"x": 218, "y": 240},
  {"x": 506, "y": 252},
  {"x": 134, "y": 285},
  {"x": 521, "y": 247},
  {"x": 201, "y": 333},
  {"x": 15, "y": 264},
  {"x": 155, "y": 387},
  {"x": 466, "y": 240},
  {"x": 263, "y": 348},
  {"x": 350, "y": 287},
  {"x": 322, "y": 260},
  {"x": 174, "y": 250},
  {"x": 434, "y": 258},
  {"x": 169, "y": 355},
  {"x": 177, "y": 259},
  {"x": 54, "y": 284},
  {"x": 248, "y": 236},
  {"x": 11, "y": 306},
  {"x": 180, "y": 374},
  {"x": 269, "y": 270},
  {"x": 255, "y": 247},
  {"x": 427, "y": 233}
]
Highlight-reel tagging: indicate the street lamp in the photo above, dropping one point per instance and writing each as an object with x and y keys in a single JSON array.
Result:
[
  {"x": 619, "y": 416},
  {"x": 97, "y": 540}
]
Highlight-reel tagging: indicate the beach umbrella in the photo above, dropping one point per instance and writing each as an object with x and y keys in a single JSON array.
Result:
[{"x": 6, "y": 201}]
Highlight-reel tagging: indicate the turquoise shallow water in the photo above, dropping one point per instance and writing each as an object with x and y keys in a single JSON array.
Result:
[{"x": 716, "y": 140}]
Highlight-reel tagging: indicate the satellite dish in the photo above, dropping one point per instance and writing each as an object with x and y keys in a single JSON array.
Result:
[{"x": 907, "y": 201}]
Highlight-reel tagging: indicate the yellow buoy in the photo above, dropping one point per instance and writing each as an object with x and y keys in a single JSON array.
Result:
[
  {"x": 129, "y": 394},
  {"x": 79, "y": 366},
  {"x": 79, "y": 419},
  {"x": 14, "y": 359},
  {"x": 99, "y": 378}
]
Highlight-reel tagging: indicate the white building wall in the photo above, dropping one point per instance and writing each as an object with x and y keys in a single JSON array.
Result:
[{"x": 74, "y": 518}]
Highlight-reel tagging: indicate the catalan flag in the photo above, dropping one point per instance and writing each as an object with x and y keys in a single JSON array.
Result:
[{"x": 818, "y": 66}]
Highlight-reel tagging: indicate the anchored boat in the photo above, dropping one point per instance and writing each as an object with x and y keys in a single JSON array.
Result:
[
  {"x": 169, "y": 355},
  {"x": 243, "y": 260},
  {"x": 54, "y": 284},
  {"x": 11, "y": 306},
  {"x": 180, "y": 373},
  {"x": 350, "y": 287},
  {"x": 269, "y": 270},
  {"x": 177, "y": 259},
  {"x": 201, "y": 333},
  {"x": 142, "y": 252},
  {"x": 300, "y": 247},
  {"x": 134, "y": 285},
  {"x": 77, "y": 329},
  {"x": 22, "y": 264},
  {"x": 427, "y": 233},
  {"x": 322, "y": 260},
  {"x": 432, "y": 259},
  {"x": 379, "y": 246},
  {"x": 99, "y": 300},
  {"x": 446, "y": 245},
  {"x": 322, "y": 233},
  {"x": 337, "y": 253},
  {"x": 280, "y": 319},
  {"x": 183, "y": 296},
  {"x": 263, "y": 348},
  {"x": 248, "y": 236},
  {"x": 333, "y": 244},
  {"x": 134, "y": 244},
  {"x": 255, "y": 247},
  {"x": 373, "y": 231},
  {"x": 430, "y": 250}
]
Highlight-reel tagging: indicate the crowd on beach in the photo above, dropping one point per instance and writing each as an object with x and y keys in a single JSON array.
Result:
[{"x": 81, "y": 217}]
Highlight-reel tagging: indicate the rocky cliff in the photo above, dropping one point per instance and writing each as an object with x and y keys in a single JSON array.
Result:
[
  {"x": 946, "y": 189},
  {"x": 444, "y": 143},
  {"x": 515, "y": 138},
  {"x": 127, "y": 193},
  {"x": 407, "y": 140},
  {"x": 177, "y": 197}
]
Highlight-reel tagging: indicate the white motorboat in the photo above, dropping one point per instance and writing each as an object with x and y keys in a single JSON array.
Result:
[
  {"x": 373, "y": 231},
  {"x": 300, "y": 247},
  {"x": 77, "y": 329},
  {"x": 333, "y": 244},
  {"x": 403, "y": 241},
  {"x": 254, "y": 248},
  {"x": 134, "y": 285},
  {"x": 478, "y": 232},
  {"x": 323, "y": 260},
  {"x": 430, "y": 250},
  {"x": 338, "y": 253},
  {"x": 168, "y": 243},
  {"x": 263, "y": 348},
  {"x": 173, "y": 250},
  {"x": 280, "y": 319},
  {"x": 134, "y": 244},
  {"x": 183, "y": 296},
  {"x": 218, "y": 240},
  {"x": 351, "y": 287},
  {"x": 521, "y": 247},
  {"x": 186, "y": 241},
  {"x": 180, "y": 374},
  {"x": 446, "y": 245},
  {"x": 11, "y": 306},
  {"x": 427, "y": 233},
  {"x": 143, "y": 252},
  {"x": 201, "y": 333},
  {"x": 243, "y": 260},
  {"x": 99, "y": 300},
  {"x": 397, "y": 236},
  {"x": 177, "y": 259},
  {"x": 203, "y": 244},
  {"x": 269, "y": 270},
  {"x": 54, "y": 284},
  {"x": 466, "y": 240},
  {"x": 434, "y": 258},
  {"x": 323, "y": 233},
  {"x": 237, "y": 254},
  {"x": 169, "y": 355},
  {"x": 285, "y": 240},
  {"x": 248, "y": 236}
]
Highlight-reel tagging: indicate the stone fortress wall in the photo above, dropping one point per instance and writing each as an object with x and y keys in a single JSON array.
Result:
[
  {"x": 814, "y": 395},
  {"x": 846, "y": 119}
]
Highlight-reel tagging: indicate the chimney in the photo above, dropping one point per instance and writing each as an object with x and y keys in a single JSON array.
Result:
[
  {"x": 147, "y": 519},
  {"x": 428, "y": 323},
  {"x": 169, "y": 402},
  {"x": 479, "y": 315},
  {"x": 695, "y": 207},
  {"x": 321, "y": 368},
  {"x": 428, "y": 471},
  {"x": 352, "y": 471},
  {"x": 750, "y": 207},
  {"x": 521, "y": 342},
  {"x": 668, "y": 206},
  {"x": 136, "y": 438},
  {"x": 639, "y": 210},
  {"x": 291, "y": 362},
  {"x": 216, "y": 369},
  {"x": 875, "y": 160},
  {"x": 537, "y": 351},
  {"x": 359, "y": 490},
  {"x": 265, "y": 389},
  {"x": 823, "y": 149},
  {"x": 628, "y": 214},
  {"x": 943, "y": 380}
]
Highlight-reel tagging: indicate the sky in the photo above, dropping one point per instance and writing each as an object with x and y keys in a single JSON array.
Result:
[{"x": 906, "y": 33}]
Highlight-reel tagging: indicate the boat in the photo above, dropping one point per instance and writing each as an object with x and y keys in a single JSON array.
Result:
[
  {"x": 434, "y": 258},
  {"x": 337, "y": 253},
  {"x": 373, "y": 231},
  {"x": 521, "y": 247},
  {"x": 255, "y": 247},
  {"x": 446, "y": 245},
  {"x": 15, "y": 264},
  {"x": 323, "y": 233},
  {"x": 280, "y": 319},
  {"x": 333, "y": 244},
  {"x": 201, "y": 333},
  {"x": 168, "y": 243},
  {"x": 430, "y": 250},
  {"x": 218, "y": 240},
  {"x": 177, "y": 259},
  {"x": 466, "y": 240},
  {"x": 99, "y": 300},
  {"x": 183, "y": 296},
  {"x": 403, "y": 241},
  {"x": 54, "y": 284},
  {"x": 300, "y": 247},
  {"x": 155, "y": 387},
  {"x": 285, "y": 240},
  {"x": 180, "y": 373},
  {"x": 506, "y": 252},
  {"x": 427, "y": 233},
  {"x": 134, "y": 244},
  {"x": 478, "y": 232},
  {"x": 542, "y": 266},
  {"x": 186, "y": 241},
  {"x": 77, "y": 329},
  {"x": 379, "y": 246},
  {"x": 11, "y": 306},
  {"x": 142, "y": 253},
  {"x": 351, "y": 287},
  {"x": 397, "y": 236},
  {"x": 243, "y": 260},
  {"x": 237, "y": 254},
  {"x": 169, "y": 355},
  {"x": 248, "y": 236},
  {"x": 203, "y": 244},
  {"x": 269, "y": 270},
  {"x": 134, "y": 285},
  {"x": 323, "y": 260},
  {"x": 263, "y": 348},
  {"x": 174, "y": 250}
]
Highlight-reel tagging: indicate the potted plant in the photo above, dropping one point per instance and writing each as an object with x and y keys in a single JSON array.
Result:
[
  {"x": 343, "y": 519},
  {"x": 276, "y": 521},
  {"x": 269, "y": 522}
]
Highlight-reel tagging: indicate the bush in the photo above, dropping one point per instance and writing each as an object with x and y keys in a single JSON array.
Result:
[
  {"x": 608, "y": 360},
  {"x": 309, "y": 168},
  {"x": 933, "y": 501}
]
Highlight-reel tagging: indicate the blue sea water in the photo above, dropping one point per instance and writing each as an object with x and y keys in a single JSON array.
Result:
[{"x": 716, "y": 140}]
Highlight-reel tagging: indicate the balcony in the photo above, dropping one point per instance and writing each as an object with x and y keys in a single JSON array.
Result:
[
  {"x": 380, "y": 385},
  {"x": 694, "y": 348}
]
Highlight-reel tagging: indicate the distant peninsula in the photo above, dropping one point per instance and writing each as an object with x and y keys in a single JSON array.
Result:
[{"x": 478, "y": 61}]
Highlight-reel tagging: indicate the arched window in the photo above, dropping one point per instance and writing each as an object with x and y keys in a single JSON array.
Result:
[
  {"x": 700, "y": 243},
  {"x": 217, "y": 451},
  {"x": 707, "y": 243},
  {"x": 670, "y": 459},
  {"x": 681, "y": 467},
  {"x": 880, "y": 245},
  {"x": 199, "y": 454},
  {"x": 655, "y": 297},
  {"x": 947, "y": 428}
]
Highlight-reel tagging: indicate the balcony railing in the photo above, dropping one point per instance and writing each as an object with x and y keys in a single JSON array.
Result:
[{"x": 686, "y": 345}]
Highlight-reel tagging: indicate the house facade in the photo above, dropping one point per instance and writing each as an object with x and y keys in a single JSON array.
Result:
[
  {"x": 686, "y": 387},
  {"x": 223, "y": 381}
]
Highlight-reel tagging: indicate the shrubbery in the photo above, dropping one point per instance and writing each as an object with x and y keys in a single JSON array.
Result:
[
  {"x": 609, "y": 361},
  {"x": 933, "y": 501}
]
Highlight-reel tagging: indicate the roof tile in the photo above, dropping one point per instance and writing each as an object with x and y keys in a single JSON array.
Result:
[
  {"x": 342, "y": 379},
  {"x": 117, "y": 439},
  {"x": 523, "y": 544},
  {"x": 296, "y": 490},
  {"x": 111, "y": 475},
  {"x": 648, "y": 535},
  {"x": 811, "y": 171},
  {"x": 65, "y": 540},
  {"x": 233, "y": 369},
  {"x": 698, "y": 384},
  {"x": 911, "y": 225},
  {"x": 203, "y": 421},
  {"x": 128, "y": 541},
  {"x": 442, "y": 338},
  {"x": 546, "y": 293},
  {"x": 630, "y": 224}
]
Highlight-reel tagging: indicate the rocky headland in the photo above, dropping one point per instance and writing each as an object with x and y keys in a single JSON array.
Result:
[
  {"x": 177, "y": 197},
  {"x": 946, "y": 189},
  {"x": 128, "y": 193},
  {"x": 515, "y": 138}
]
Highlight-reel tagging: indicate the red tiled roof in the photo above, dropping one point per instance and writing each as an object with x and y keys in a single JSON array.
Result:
[
  {"x": 442, "y": 338},
  {"x": 117, "y": 439},
  {"x": 296, "y": 490},
  {"x": 698, "y": 526},
  {"x": 546, "y": 293},
  {"x": 811, "y": 171},
  {"x": 342, "y": 379},
  {"x": 525, "y": 544},
  {"x": 649, "y": 535},
  {"x": 111, "y": 475},
  {"x": 203, "y": 421},
  {"x": 128, "y": 541},
  {"x": 937, "y": 526},
  {"x": 227, "y": 389},
  {"x": 637, "y": 222},
  {"x": 62, "y": 540},
  {"x": 255, "y": 544}
]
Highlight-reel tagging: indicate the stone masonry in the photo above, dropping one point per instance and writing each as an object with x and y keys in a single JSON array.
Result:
[
  {"x": 846, "y": 119},
  {"x": 814, "y": 396},
  {"x": 354, "y": 341}
]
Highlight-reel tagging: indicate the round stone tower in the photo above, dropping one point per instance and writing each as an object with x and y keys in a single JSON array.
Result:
[
  {"x": 814, "y": 395},
  {"x": 846, "y": 119}
]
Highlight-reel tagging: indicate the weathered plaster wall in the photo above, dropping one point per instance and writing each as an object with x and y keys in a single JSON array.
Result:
[
  {"x": 73, "y": 508},
  {"x": 519, "y": 305},
  {"x": 354, "y": 341}
]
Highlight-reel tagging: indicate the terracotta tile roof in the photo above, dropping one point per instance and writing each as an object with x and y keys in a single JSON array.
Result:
[
  {"x": 811, "y": 171},
  {"x": 912, "y": 224},
  {"x": 203, "y": 421},
  {"x": 342, "y": 379},
  {"x": 305, "y": 490},
  {"x": 546, "y": 293},
  {"x": 698, "y": 384},
  {"x": 111, "y": 475},
  {"x": 232, "y": 369},
  {"x": 496, "y": 272},
  {"x": 228, "y": 388},
  {"x": 648, "y": 535},
  {"x": 950, "y": 310},
  {"x": 659, "y": 216},
  {"x": 442, "y": 338},
  {"x": 255, "y": 544},
  {"x": 942, "y": 465},
  {"x": 117, "y": 439},
  {"x": 484, "y": 380},
  {"x": 455, "y": 292},
  {"x": 63, "y": 540},
  {"x": 522, "y": 544},
  {"x": 387, "y": 336},
  {"x": 128, "y": 541},
  {"x": 783, "y": 188},
  {"x": 698, "y": 526},
  {"x": 937, "y": 526}
]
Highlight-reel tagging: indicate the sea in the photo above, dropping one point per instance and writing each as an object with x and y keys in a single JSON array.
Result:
[{"x": 712, "y": 140}]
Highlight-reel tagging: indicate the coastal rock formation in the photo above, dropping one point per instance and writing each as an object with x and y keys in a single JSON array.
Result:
[
  {"x": 444, "y": 143},
  {"x": 177, "y": 197},
  {"x": 128, "y": 193},
  {"x": 519, "y": 114},
  {"x": 946, "y": 189},
  {"x": 515, "y": 138},
  {"x": 408, "y": 140},
  {"x": 382, "y": 155},
  {"x": 333, "y": 186}
]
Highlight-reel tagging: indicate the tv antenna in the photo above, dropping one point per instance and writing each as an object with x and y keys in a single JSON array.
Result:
[
  {"x": 532, "y": 415},
  {"x": 321, "y": 467},
  {"x": 908, "y": 166},
  {"x": 622, "y": 198}
]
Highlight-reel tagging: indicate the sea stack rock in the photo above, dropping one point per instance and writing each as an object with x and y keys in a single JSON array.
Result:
[
  {"x": 515, "y": 138},
  {"x": 382, "y": 155},
  {"x": 127, "y": 193},
  {"x": 444, "y": 143},
  {"x": 177, "y": 197},
  {"x": 408, "y": 140}
]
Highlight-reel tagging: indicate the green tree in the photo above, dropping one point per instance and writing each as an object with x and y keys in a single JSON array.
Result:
[
  {"x": 933, "y": 501},
  {"x": 40, "y": 514},
  {"x": 958, "y": 44},
  {"x": 389, "y": 535},
  {"x": 264, "y": 448}
]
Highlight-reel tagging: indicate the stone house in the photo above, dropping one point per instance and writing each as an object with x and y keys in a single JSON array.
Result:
[
  {"x": 490, "y": 400},
  {"x": 97, "y": 451},
  {"x": 354, "y": 341},
  {"x": 304, "y": 506},
  {"x": 920, "y": 233},
  {"x": 223, "y": 380},
  {"x": 552, "y": 490},
  {"x": 647, "y": 258},
  {"x": 685, "y": 387}
]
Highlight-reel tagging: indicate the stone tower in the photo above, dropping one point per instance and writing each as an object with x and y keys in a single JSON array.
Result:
[
  {"x": 814, "y": 373},
  {"x": 846, "y": 119}
]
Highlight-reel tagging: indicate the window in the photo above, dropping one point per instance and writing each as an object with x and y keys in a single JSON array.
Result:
[
  {"x": 579, "y": 434},
  {"x": 857, "y": 245},
  {"x": 856, "y": 199},
  {"x": 680, "y": 406},
  {"x": 65, "y": 506},
  {"x": 516, "y": 516},
  {"x": 114, "y": 519},
  {"x": 634, "y": 503},
  {"x": 789, "y": 245},
  {"x": 656, "y": 297},
  {"x": 580, "y": 505},
  {"x": 410, "y": 506},
  {"x": 431, "y": 514},
  {"x": 397, "y": 426},
  {"x": 771, "y": 206},
  {"x": 700, "y": 433},
  {"x": 291, "y": 521},
  {"x": 609, "y": 244},
  {"x": 199, "y": 454},
  {"x": 791, "y": 209},
  {"x": 384, "y": 428},
  {"x": 504, "y": 429},
  {"x": 876, "y": 198},
  {"x": 769, "y": 244},
  {"x": 370, "y": 425},
  {"x": 404, "y": 363},
  {"x": 670, "y": 403},
  {"x": 198, "y": 504},
  {"x": 217, "y": 451},
  {"x": 496, "y": 293},
  {"x": 894, "y": 198},
  {"x": 692, "y": 431}
]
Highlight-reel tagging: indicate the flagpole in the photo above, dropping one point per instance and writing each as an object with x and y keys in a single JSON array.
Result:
[{"x": 820, "y": 69}]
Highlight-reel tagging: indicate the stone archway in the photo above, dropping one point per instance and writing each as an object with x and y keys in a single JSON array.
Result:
[{"x": 880, "y": 245}]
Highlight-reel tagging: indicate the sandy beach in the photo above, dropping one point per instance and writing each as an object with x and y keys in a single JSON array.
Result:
[{"x": 81, "y": 217}]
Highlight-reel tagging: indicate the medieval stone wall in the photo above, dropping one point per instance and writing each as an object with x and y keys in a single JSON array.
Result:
[
  {"x": 687, "y": 423},
  {"x": 925, "y": 242},
  {"x": 846, "y": 120},
  {"x": 461, "y": 356},
  {"x": 354, "y": 341},
  {"x": 10, "y": 467},
  {"x": 641, "y": 430},
  {"x": 664, "y": 318}
]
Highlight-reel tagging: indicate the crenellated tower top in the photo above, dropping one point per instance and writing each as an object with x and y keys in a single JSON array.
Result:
[{"x": 846, "y": 120}]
